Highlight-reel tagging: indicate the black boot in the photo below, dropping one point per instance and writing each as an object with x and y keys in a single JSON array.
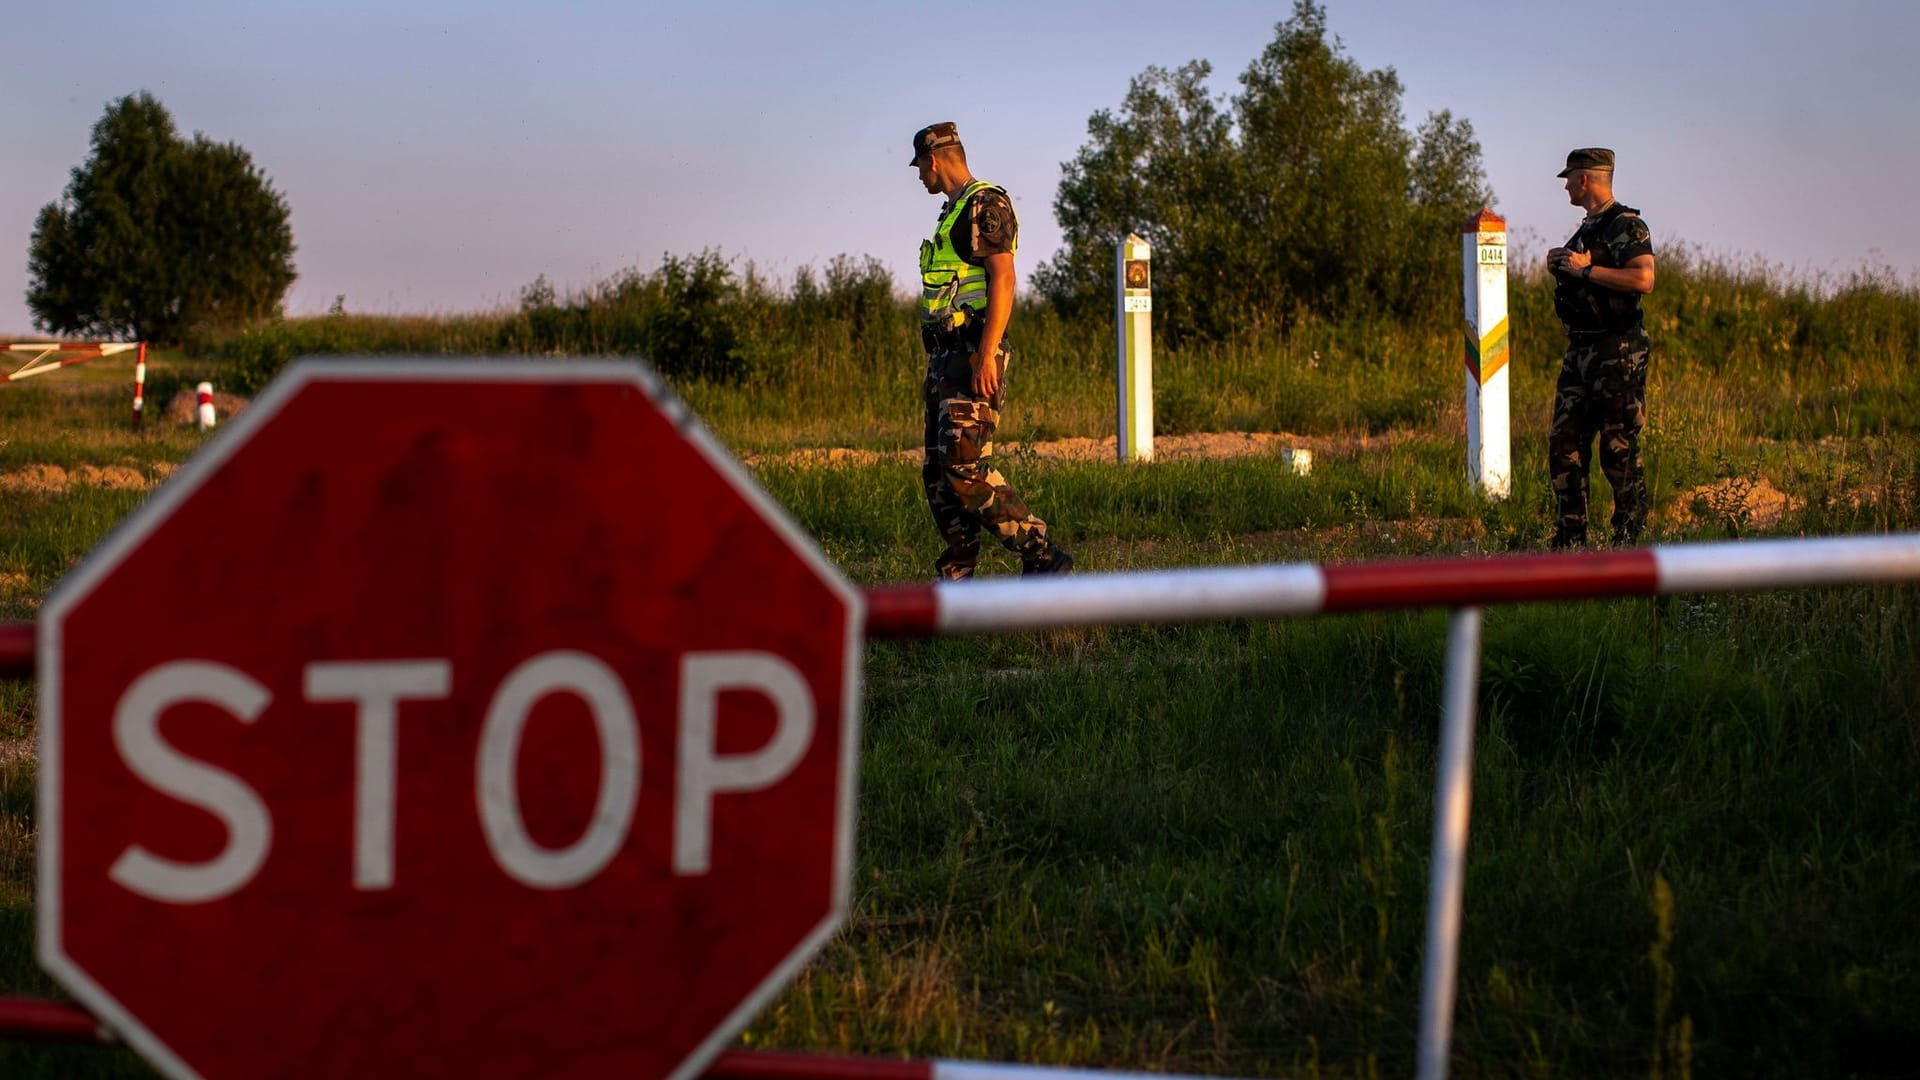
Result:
[{"x": 1055, "y": 561}]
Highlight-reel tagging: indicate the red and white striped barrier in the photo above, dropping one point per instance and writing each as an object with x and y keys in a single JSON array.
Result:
[
  {"x": 777, "y": 1065},
  {"x": 40, "y": 361},
  {"x": 1283, "y": 589},
  {"x": 53, "y": 1021},
  {"x": 1240, "y": 592}
]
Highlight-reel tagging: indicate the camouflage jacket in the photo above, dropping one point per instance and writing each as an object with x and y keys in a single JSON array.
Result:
[{"x": 1614, "y": 238}]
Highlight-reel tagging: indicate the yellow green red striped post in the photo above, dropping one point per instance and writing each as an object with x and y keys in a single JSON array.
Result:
[{"x": 1483, "y": 257}]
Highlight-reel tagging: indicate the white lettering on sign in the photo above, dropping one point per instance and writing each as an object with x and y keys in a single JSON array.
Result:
[
  {"x": 1493, "y": 256},
  {"x": 136, "y": 733},
  {"x": 1138, "y": 302},
  {"x": 704, "y": 772},
  {"x": 499, "y": 794},
  {"x": 379, "y": 687}
]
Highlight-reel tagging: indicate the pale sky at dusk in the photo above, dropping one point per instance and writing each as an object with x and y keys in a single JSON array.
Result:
[{"x": 439, "y": 156}]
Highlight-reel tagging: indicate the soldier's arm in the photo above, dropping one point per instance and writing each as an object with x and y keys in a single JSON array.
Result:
[
  {"x": 1000, "y": 282},
  {"x": 1636, "y": 276}
]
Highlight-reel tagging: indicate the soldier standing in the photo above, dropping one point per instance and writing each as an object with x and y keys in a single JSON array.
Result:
[
  {"x": 966, "y": 301},
  {"x": 1599, "y": 278}
]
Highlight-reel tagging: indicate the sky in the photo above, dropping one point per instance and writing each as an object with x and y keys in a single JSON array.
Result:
[{"x": 438, "y": 157}]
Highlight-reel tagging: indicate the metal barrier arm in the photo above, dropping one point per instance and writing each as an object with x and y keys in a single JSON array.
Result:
[
  {"x": 1242, "y": 592},
  {"x": 49, "y": 1021},
  {"x": 54, "y": 1021},
  {"x": 36, "y": 364},
  {"x": 1237, "y": 592}
]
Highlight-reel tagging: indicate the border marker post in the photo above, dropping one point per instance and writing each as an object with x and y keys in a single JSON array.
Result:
[
  {"x": 205, "y": 393},
  {"x": 140, "y": 385},
  {"x": 1133, "y": 317},
  {"x": 1483, "y": 257}
]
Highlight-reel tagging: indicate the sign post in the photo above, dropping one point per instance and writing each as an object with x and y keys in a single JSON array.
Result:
[
  {"x": 518, "y": 741},
  {"x": 1483, "y": 254},
  {"x": 1133, "y": 316}
]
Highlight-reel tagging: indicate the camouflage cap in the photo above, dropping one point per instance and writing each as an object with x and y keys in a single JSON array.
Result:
[
  {"x": 933, "y": 137},
  {"x": 1596, "y": 158}
]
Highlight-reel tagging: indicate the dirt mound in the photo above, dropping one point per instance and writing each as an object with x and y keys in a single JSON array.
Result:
[
  {"x": 1738, "y": 501},
  {"x": 54, "y": 479},
  {"x": 1205, "y": 445},
  {"x": 185, "y": 406}
]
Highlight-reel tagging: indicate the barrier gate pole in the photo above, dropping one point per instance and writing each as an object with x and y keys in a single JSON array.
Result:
[{"x": 1447, "y": 877}]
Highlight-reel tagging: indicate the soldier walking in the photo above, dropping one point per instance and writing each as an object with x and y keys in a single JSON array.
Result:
[
  {"x": 966, "y": 301},
  {"x": 1599, "y": 278}
]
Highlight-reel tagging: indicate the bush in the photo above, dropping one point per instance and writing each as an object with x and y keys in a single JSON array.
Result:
[{"x": 1305, "y": 194}]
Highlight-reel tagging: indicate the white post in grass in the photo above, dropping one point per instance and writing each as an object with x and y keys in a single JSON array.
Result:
[
  {"x": 1447, "y": 878},
  {"x": 1483, "y": 254},
  {"x": 1133, "y": 315}
]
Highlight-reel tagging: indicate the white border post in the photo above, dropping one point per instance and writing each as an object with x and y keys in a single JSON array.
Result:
[
  {"x": 1447, "y": 877},
  {"x": 140, "y": 385},
  {"x": 1133, "y": 318},
  {"x": 1483, "y": 257}
]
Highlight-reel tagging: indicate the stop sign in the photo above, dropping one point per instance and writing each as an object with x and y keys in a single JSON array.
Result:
[{"x": 446, "y": 718}]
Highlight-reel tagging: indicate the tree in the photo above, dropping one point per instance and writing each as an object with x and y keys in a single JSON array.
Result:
[
  {"x": 156, "y": 236},
  {"x": 1305, "y": 192}
]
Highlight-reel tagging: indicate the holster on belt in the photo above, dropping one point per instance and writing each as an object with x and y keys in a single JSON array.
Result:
[{"x": 962, "y": 331}]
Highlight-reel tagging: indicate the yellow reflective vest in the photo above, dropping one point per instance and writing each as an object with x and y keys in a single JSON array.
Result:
[{"x": 952, "y": 290}]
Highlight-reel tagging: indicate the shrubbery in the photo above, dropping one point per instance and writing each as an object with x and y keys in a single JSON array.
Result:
[{"x": 695, "y": 318}]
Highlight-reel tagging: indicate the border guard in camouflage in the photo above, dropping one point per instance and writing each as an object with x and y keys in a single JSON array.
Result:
[
  {"x": 966, "y": 301},
  {"x": 1598, "y": 280}
]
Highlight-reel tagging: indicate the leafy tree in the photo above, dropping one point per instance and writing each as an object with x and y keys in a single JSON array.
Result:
[
  {"x": 1305, "y": 192},
  {"x": 158, "y": 236}
]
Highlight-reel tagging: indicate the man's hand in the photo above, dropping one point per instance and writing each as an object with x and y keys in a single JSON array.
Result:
[
  {"x": 1567, "y": 261},
  {"x": 986, "y": 373}
]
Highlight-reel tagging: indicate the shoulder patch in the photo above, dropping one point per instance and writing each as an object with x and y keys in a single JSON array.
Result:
[{"x": 993, "y": 223}]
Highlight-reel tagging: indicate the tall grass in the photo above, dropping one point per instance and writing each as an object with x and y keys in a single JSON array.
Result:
[{"x": 1740, "y": 353}]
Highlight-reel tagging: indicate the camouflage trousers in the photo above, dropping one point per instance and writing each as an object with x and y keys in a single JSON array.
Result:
[
  {"x": 964, "y": 491},
  {"x": 1602, "y": 391}
]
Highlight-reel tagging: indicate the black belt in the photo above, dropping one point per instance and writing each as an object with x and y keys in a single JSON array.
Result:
[{"x": 945, "y": 340}]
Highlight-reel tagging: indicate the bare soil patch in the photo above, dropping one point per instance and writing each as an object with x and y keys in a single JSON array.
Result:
[
  {"x": 1204, "y": 445},
  {"x": 1747, "y": 502},
  {"x": 57, "y": 479}
]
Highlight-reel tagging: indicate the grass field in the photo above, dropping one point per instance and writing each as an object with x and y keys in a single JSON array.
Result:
[{"x": 1696, "y": 829}]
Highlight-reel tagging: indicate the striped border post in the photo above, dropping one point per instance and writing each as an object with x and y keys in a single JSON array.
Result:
[
  {"x": 1133, "y": 320},
  {"x": 203, "y": 399},
  {"x": 140, "y": 385},
  {"x": 1483, "y": 265}
]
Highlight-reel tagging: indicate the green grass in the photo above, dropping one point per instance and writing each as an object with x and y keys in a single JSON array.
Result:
[{"x": 1696, "y": 827}]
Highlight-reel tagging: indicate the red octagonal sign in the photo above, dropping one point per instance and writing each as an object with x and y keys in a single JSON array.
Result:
[{"x": 446, "y": 718}]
